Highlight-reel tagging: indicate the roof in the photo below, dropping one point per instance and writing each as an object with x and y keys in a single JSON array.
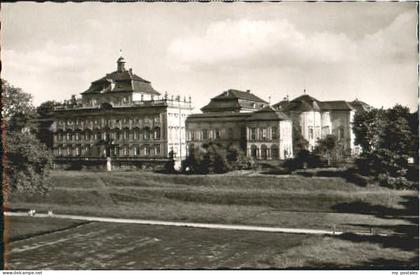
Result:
[
  {"x": 124, "y": 81},
  {"x": 220, "y": 116},
  {"x": 360, "y": 105},
  {"x": 234, "y": 101},
  {"x": 268, "y": 113},
  {"x": 306, "y": 103},
  {"x": 237, "y": 94},
  {"x": 335, "y": 105}
]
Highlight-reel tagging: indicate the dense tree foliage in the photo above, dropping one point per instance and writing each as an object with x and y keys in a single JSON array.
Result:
[
  {"x": 214, "y": 158},
  {"x": 299, "y": 142},
  {"x": 327, "y": 148},
  {"x": 45, "y": 122},
  {"x": 388, "y": 137},
  {"x": 26, "y": 161}
]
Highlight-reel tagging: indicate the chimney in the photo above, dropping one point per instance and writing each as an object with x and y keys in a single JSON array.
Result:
[
  {"x": 130, "y": 70},
  {"x": 248, "y": 91}
]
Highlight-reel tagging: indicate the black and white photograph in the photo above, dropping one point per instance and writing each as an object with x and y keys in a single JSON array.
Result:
[{"x": 210, "y": 136}]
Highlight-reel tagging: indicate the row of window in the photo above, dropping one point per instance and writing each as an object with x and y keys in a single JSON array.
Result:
[
  {"x": 78, "y": 151},
  {"x": 145, "y": 134},
  {"x": 176, "y": 115},
  {"x": 270, "y": 133},
  {"x": 210, "y": 134},
  {"x": 113, "y": 121},
  {"x": 264, "y": 152}
]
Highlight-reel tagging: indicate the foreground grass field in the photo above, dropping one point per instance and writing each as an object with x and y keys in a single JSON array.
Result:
[
  {"x": 290, "y": 201},
  {"x": 252, "y": 199},
  {"x": 129, "y": 246}
]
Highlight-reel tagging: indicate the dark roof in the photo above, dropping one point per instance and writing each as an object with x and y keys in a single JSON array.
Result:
[
  {"x": 306, "y": 102},
  {"x": 220, "y": 116},
  {"x": 237, "y": 94},
  {"x": 124, "y": 81},
  {"x": 234, "y": 101},
  {"x": 335, "y": 105},
  {"x": 360, "y": 105},
  {"x": 268, "y": 113}
]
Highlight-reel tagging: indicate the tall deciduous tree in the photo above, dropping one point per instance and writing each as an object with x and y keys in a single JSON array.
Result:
[
  {"x": 388, "y": 138},
  {"x": 26, "y": 161}
]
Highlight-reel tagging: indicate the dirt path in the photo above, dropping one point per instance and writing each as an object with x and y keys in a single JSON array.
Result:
[{"x": 190, "y": 224}]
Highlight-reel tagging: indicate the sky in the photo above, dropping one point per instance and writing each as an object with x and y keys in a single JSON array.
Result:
[{"x": 334, "y": 51}]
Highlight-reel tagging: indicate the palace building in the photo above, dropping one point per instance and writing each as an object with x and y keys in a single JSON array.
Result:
[
  {"x": 244, "y": 121},
  {"x": 122, "y": 117},
  {"x": 316, "y": 119}
]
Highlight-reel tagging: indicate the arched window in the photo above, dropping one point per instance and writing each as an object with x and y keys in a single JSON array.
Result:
[
  {"x": 254, "y": 150},
  {"x": 274, "y": 151},
  {"x": 263, "y": 152}
]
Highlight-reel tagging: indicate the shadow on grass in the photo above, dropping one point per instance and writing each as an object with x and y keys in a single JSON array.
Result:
[{"x": 403, "y": 237}]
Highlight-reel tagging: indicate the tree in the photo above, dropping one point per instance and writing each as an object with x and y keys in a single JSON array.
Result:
[
  {"x": 45, "y": 122},
  {"x": 26, "y": 162},
  {"x": 366, "y": 128},
  {"x": 388, "y": 138},
  {"x": 299, "y": 142},
  {"x": 17, "y": 110},
  {"x": 326, "y": 148}
]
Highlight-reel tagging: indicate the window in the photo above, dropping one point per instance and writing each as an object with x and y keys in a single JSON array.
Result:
[
  {"x": 274, "y": 132},
  {"x": 68, "y": 136},
  {"x": 157, "y": 133},
  {"x": 98, "y": 136},
  {"x": 264, "y": 134},
  {"x": 157, "y": 150},
  {"x": 311, "y": 132},
  {"x": 136, "y": 134},
  {"x": 126, "y": 134},
  {"x": 146, "y": 150},
  {"x": 136, "y": 151},
  {"x": 146, "y": 134},
  {"x": 217, "y": 133},
  {"x": 125, "y": 151},
  {"x": 253, "y": 134},
  {"x": 205, "y": 134}
]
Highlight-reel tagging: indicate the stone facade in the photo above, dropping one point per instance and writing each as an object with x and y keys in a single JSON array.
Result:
[{"x": 120, "y": 116}]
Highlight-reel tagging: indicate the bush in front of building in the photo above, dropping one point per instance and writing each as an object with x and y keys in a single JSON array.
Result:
[
  {"x": 214, "y": 158},
  {"x": 302, "y": 160}
]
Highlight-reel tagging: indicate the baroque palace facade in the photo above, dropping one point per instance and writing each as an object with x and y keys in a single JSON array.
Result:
[
  {"x": 263, "y": 132},
  {"x": 122, "y": 117},
  {"x": 244, "y": 121},
  {"x": 316, "y": 119}
]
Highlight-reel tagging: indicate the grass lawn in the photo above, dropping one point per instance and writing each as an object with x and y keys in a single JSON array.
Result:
[
  {"x": 238, "y": 198},
  {"x": 288, "y": 201},
  {"x": 129, "y": 246},
  {"x": 19, "y": 227}
]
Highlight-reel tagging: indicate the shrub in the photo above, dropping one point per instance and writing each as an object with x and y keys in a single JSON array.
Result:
[
  {"x": 396, "y": 182},
  {"x": 215, "y": 158},
  {"x": 303, "y": 159}
]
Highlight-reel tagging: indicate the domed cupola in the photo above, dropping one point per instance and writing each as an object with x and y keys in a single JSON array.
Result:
[{"x": 121, "y": 64}]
